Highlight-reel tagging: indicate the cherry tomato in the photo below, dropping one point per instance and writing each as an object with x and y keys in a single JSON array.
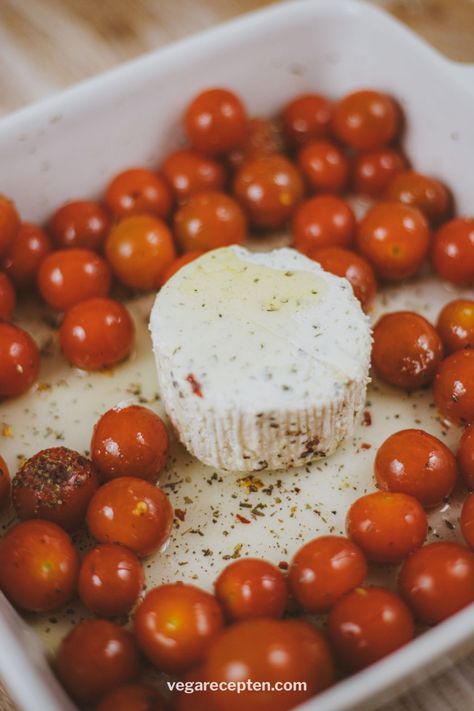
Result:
[
  {"x": 130, "y": 441},
  {"x": 406, "y": 351},
  {"x": 348, "y": 264},
  {"x": 189, "y": 172},
  {"x": 269, "y": 188},
  {"x": 416, "y": 463},
  {"x": 456, "y": 325},
  {"x": 138, "y": 190},
  {"x": 324, "y": 570},
  {"x": 94, "y": 658},
  {"x": 19, "y": 361},
  {"x": 306, "y": 118},
  {"x": 366, "y": 120},
  {"x": 175, "y": 625},
  {"x": 453, "y": 251},
  {"x": 110, "y": 580},
  {"x": 323, "y": 221},
  {"x": 437, "y": 581},
  {"x": 262, "y": 138},
  {"x": 81, "y": 224},
  {"x": 56, "y": 484},
  {"x": 9, "y": 224},
  {"x": 374, "y": 170},
  {"x": 179, "y": 262},
  {"x": 367, "y": 624},
  {"x": 5, "y": 485},
  {"x": 251, "y": 588},
  {"x": 208, "y": 221},
  {"x": 38, "y": 566},
  {"x": 139, "y": 249},
  {"x": 7, "y": 298},
  {"x": 23, "y": 259},
  {"x": 467, "y": 520},
  {"x": 266, "y": 650},
  {"x": 466, "y": 456},
  {"x": 131, "y": 512},
  {"x": 394, "y": 238},
  {"x": 454, "y": 387},
  {"x": 132, "y": 697},
  {"x": 215, "y": 121},
  {"x": 324, "y": 165},
  {"x": 96, "y": 333},
  {"x": 421, "y": 191},
  {"x": 68, "y": 276}
]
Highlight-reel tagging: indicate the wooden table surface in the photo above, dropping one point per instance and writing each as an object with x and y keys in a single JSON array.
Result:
[{"x": 46, "y": 45}]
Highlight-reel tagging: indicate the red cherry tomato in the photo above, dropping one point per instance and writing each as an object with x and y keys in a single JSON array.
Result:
[
  {"x": 454, "y": 387},
  {"x": 133, "y": 697},
  {"x": 453, "y": 251},
  {"x": 437, "y": 581},
  {"x": 132, "y": 512},
  {"x": 367, "y": 624},
  {"x": 97, "y": 333},
  {"x": 467, "y": 520},
  {"x": 323, "y": 221},
  {"x": 139, "y": 249},
  {"x": 466, "y": 456},
  {"x": 38, "y": 566},
  {"x": 110, "y": 580},
  {"x": 7, "y": 298},
  {"x": 348, "y": 264},
  {"x": 324, "y": 165},
  {"x": 421, "y": 191},
  {"x": 179, "y": 262},
  {"x": 81, "y": 224},
  {"x": 5, "y": 484},
  {"x": 250, "y": 588},
  {"x": 189, "y": 172},
  {"x": 23, "y": 259},
  {"x": 365, "y": 120},
  {"x": 215, "y": 121},
  {"x": 456, "y": 325},
  {"x": 208, "y": 221},
  {"x": 9, "y": 224},
  {"x": 306, "y": 118},
  {"x": 175, "y": 625},
  {"x": 130, "y": 441},
  {"x": 56, "y": 484},
  {"x": 416, "y": 463},
  {"x": 324, "y": 570},
  {"x": 373, "y": 171},
  {"x": 94, "y": 658},
  {"x": 138, "y": 190},
  {"x": 262, "y": 138},
  {"x": 19, "y": 361}
]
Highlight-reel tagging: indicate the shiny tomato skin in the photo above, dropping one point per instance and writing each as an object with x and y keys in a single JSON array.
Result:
[
  {"x": 189, "y": 172},
  {"x": 324, "y": 165},
  {"x": 97, "y": 333},
  {"x": 79, "y": 224},
  {"x": 133, "y": 697},
  {"x": 132, "y": 512},
  {"x": 130, "y": 441},
  {"x": 366, "y": 625},
  {"x": 5, "y": 484},
  {"x": 407, "y": 350},
  {"x": 437, "y": 581},
  {"x": 175, "y": 625},
  {"x": 262, "y": 138},
  {"x": 305, "y": 118},
  {"x": 422, "y": 191},
  {"x": 249, "y": 588},
  {"x": 19, "y": 361},
  {"x": 25, "y": 255},
  {"x": 452, "y": 253},
  {"x": 467, "y": 520},
  {"x": 38, "y": 566},
  {"x": 454, "y": 387},
  {"x": 180, "y": 262},
  {"x": 324, "y": 570},
  {"x": 365, "y": 120},
  {"x": 456, "y": 325},
  {"x": 139, "y": 249},
  {"x": 209, "y": 220},
  {"x": 373, "y": 171},
  {"x": 351, "y": 266},
  {"x": 7, "y": 298},
  {"x": 465, "y": 456},
  {"x": 9, "y": 224},
  {"x": 215, "y": 121},
  {"x": 110, "y": 580},
  {"x": 137, "y": 190},
  {"x": 323, "y": 221},
  {"x": 94, "y": 658},
  {"x": 416, "y": 463}
]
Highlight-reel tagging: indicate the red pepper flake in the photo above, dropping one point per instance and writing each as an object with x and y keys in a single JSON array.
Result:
[
  {"x": 367, "y": 419},
  {"x": 242, "y": 519},
  {"x": 195, "y": 385},
  {"x": 283, "y": 565},
  {"x": 180, "y": 513},
  {"x": 365, "y": 445}
]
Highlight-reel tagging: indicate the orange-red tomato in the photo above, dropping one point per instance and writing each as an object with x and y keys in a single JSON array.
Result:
[
  {"x": 38, "y": 566},
  {"x": 249, "y": 588},
  {"x": 407, "y": 350},
  {"x": 215, "y": 121},
  {"x": 19, "y": 361},
  {"x": 467, "y": 520},
  {"x": 416, "y": 463},
  {"x": 132, "y": 512},
  {"x": 96, "y": 333},
  {"x": 133, "y": 697},
  {"x": 456, "y": 325},
  {"x": 5, "y": 484},
  {"x": 454, "y": 387},
  {"x": 9, "y": 224},
  {"x": 367, "y": 624},
  {"x": 437, "y": 581},
  {"x": 348, "y": 264},
  {"x": 110, "y": 580},
  {"x": 189, "y": 172},
  {"x": 324, "y": 570},
  {"x": 262, "y": 138},
  {"x": 324, "y": 165},
  {"x": 453, "y": 251},
  {"x": 55, "y": 484},
  {"x": 7, "y": 298},
  {"x": 323, "y": 221},
  {"x": 82, "y": 224},
  {"x": 130, "y": 441},
  {"x": 179, "y": 262},
  {"x": 68, "y": 276},
  {"x": 138, "y": 190},
  {"x": 465, "y": 456},
  {"x": 139, "y": 249},
  {"x": 208, "y": 221},
  {"x": 394, "y": 238},
  {"x": 365, "y": 120},
  {"x": 27, "y": 251},
  {"x": 374, "y": 170},
  {"x": 421, "y": 191},
  {"x": 269, "y": 187},
  {"x": 94, "y": 658},
  {"x": 305, "y": 118}
]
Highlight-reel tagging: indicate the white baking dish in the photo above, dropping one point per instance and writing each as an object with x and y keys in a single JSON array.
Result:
[{"x": 69, "y": 145}]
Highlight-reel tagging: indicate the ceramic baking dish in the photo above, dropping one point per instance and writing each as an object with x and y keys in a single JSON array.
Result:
[{"x": 69, "y": 145}]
